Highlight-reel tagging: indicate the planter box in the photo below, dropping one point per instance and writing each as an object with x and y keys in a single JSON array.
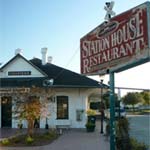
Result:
[{"x": 91, "y": 129}]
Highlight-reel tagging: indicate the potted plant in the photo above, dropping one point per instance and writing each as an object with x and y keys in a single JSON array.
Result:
[
  {"x": 91, "y": 112},
  {"x": 90, "y": 127}
]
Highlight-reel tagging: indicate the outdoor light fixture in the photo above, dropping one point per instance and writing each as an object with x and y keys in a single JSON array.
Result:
[{"x": 48, "y": 82}]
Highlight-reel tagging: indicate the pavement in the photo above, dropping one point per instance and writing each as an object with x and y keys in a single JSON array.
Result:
[{"x": 73, "y": 139}]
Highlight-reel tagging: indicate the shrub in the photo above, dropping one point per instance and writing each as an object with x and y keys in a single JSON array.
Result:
[
  {"x": 5, "y": 142},
  {"x": 49, "y": 136},
  {"x": 91, "y": 112},
  {"x": 122, "y": 134},
  {"x": 15, "y": 140},
  {"x": 53, "y": 134},
  {"x": 29, "y": 140},
  {"x": 137, "y": 145}
]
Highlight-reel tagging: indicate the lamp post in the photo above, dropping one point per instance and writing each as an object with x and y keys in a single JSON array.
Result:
[
  {"x": 46, "y": 124},
  {"x": 119, "y": 99},
  {"x": 102, "y": 108}
]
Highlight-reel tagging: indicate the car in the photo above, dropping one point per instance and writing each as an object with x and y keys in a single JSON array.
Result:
[{"x": 122, "y": 112}]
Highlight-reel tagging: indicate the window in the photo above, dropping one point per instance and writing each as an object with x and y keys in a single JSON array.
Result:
[
  {"x": 62, "y": 107},
  {"x": 19, "y": 73}
]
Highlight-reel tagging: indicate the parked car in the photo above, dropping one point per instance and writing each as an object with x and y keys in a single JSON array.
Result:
[{"x": 122, "y": 112}]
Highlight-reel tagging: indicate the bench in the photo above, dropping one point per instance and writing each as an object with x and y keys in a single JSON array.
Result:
[{"x": 63, "y": 124}]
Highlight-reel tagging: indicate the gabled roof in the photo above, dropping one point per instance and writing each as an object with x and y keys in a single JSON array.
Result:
[
  {"x": 20, "y": 56},
  {"x": 62, "y": 77},
  {"x": 65, "y": 78}
]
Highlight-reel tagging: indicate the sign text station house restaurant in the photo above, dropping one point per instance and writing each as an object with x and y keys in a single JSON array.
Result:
[{"x": 119, "y": 44}]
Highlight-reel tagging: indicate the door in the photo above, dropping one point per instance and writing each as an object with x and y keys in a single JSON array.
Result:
[{"x": 6, "y": 111}]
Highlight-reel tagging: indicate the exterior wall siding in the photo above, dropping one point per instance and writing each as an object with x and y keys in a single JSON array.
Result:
[
  {"x": 0, "y": 112},
  {"x": 16, "y": 65},
  {"x": 78, "y": 99}
]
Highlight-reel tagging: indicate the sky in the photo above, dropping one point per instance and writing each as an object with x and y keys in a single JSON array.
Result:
[{"x": 59, "y": 25}]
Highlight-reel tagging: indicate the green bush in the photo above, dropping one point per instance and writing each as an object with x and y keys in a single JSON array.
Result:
[
  {"x": 15, "y": 140},
  {"x": 37, "y": 139},
  {"x": 53, "y": 134},
  {"x": 49, "y": 135},
  {"x": 5, "y": 142},
  {"x": 29, "y": 140},
  {"x": 137, "y": 145},
  {"x": 122, "y": 134},
  {"x": 91, "y": 112}
]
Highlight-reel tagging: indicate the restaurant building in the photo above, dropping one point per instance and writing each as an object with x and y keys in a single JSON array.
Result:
[{"x": 68, "y": 93}]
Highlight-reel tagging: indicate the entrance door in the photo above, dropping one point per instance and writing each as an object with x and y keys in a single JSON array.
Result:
[{"x": 6, "y": 111}]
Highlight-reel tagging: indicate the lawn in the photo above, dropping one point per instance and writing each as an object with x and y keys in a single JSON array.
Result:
[{"x": 139, "y": 112}]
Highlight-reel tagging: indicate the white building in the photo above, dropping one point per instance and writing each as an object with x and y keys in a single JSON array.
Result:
[{"x": 69, "y": 91}]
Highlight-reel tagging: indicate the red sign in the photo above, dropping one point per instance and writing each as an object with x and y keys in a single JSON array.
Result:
[{"x": 117, "y": 45}]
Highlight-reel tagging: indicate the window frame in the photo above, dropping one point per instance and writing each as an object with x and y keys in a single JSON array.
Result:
[{"x": 60, "y": 100}]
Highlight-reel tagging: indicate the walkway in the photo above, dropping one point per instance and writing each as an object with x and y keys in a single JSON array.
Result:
[{"x": 73, "y": 140}]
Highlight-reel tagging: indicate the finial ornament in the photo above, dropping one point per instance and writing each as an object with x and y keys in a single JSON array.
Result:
[{"x": 109, "y": 12}]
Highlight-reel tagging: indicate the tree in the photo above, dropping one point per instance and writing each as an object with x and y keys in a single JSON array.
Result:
[
  {"x": 106, "y": 100},
  {"x": 132, "y": 99},
  {"x": 27, "y": 106},
  {"x": 31, "y": 111},
  {"x": 146, "y": 97}
]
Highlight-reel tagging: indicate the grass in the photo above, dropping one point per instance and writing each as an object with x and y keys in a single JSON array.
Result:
[
  {"x": 139, "y": 112},
  {"x": 38, "y": 139}
]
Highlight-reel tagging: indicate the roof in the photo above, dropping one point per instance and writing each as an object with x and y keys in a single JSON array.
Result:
[
  {"x": 62, "y": 77},
  {"x": 21, "y": 82},
  {"x": 17, "y": 56}
]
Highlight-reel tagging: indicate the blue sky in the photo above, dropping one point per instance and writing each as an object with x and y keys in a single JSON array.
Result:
[{"x": 58, "y": 25}]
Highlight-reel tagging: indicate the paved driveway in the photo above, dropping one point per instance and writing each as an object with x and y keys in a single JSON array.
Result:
[{"x": 73, "y": 140}]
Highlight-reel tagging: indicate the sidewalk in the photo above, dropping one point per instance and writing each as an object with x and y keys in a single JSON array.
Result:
[{"x": 74, "y": 139}]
